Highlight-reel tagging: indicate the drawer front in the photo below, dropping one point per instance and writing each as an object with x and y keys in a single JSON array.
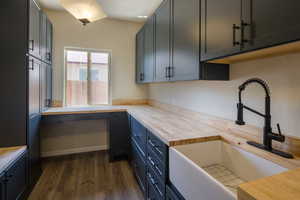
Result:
[
  {"x": 139, "y": 167},
  {"x": 153, "y": 194},
  {"x": 156, "y": 183},
  {"x": 157, "y": 146},
  {"x": 139, "y": 134},
  {"x": 157, "y": 166},
  {"x": 17, "y": 179}
]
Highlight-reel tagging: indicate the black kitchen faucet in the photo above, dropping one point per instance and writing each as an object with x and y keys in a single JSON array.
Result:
[{"x": 269, "y": 136}]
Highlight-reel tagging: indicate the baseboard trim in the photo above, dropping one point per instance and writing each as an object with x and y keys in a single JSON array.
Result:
[{"x": 73, "y": 151}]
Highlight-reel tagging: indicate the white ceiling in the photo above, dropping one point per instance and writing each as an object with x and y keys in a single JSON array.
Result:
[{"x": 118, "y": 9}]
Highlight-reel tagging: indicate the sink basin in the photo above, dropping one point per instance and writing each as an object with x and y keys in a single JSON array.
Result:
[{"x": 213, "y": 170}]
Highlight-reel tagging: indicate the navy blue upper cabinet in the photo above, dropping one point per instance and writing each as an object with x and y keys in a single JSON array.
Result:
[
  {"x": 46, "y": 34},
  {"x": 34, "y": 30},
  {"x": 34, "y": 67},
  {"x": 162, "y": 41},
  {"x": 49, "y": 41},
  {"x": 237, "y": 26},
  {"x": 220, "y": 28},
  {"x": 268, "y": 22},
  {"x": 176, "y": 54},
  {"x": 140, "y": 38},
  {"x": 185, "y": 37},
  {"x": 149, "y": 54}
]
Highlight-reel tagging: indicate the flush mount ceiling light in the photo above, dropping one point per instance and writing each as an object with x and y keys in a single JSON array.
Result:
[
  {"x": 143, "y": 16},
  {"x": 86, "y": 11}
]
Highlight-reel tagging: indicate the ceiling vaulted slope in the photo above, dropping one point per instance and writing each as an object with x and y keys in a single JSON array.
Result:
[{"x": 118, "y": 9}]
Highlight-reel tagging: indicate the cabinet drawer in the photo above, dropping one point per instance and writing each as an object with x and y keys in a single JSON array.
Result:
[
  {"x": 2, "y": 186},
  {"x": 16, "y": 179},
  {"x": 139, "y": 167},
  {"x": 157, "y": 166},
  {"x": 156, "y": 183},
  {"x": 139, "y": 134},
  {"x": 157, "y": 146},
  {"x": 153, "y": 194}
]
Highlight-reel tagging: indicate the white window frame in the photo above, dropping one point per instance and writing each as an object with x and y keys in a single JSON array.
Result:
[{"x": 109, "y": 52}]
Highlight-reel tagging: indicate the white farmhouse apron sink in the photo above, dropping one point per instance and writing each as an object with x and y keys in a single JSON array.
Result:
[{"x": 213, "y": 170}]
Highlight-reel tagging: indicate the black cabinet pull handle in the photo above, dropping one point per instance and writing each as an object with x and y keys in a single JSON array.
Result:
[
  {"x": 48, "y": 56},
  {"x": 153, "y": 182},
  {"x": 166, "y": 72},
  {"x": 234, "y": 28},
  {"x": 154, "y": 165},
  {"x": 31, "y": 43},
  {"x": 156, "y": 148},
  {"x": 32, "y": 64},
  {"x": 151, "y": 161},
  {"x": 171, "y": 72},
  {"x": 243, "y": 26},
  {"x": 151, "y": 143}
]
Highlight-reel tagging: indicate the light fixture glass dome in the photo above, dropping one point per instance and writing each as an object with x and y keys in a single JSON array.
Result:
[{"x": 85, "y": 11}]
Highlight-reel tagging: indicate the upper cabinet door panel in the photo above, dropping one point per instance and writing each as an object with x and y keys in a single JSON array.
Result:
[
  {"x": 49, "y": 85},
  {"x": 162, "y": 41},
  {"x": 220, "y": 33},
  {"x": 185, "y": 35},
  {"x": 149, "y": 54},
  {"x": 34, "y": 87},
  {"x": 269, "y": 22},
  {"x": 43, "y": 35},
  {"x": 34, "y": 30},
  {"x": 140, "y": 56},
  {"x": 49, "y": 41}
]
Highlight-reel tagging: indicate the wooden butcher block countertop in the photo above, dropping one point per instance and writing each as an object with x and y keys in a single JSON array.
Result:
[{"x": 9, "y": 154}]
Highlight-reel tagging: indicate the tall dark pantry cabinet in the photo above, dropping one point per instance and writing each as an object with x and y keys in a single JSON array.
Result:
[{"x": 25, "y": 83}]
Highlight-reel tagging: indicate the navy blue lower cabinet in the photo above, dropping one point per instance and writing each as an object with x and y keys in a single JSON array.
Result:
[
  {"x": 2, "y": 186},
  {"x": 119, "y": 136},
  {"x": 16, "y": 179},
  {"x": 35, "y": 169},
  {"x": 149, "y": 161},
  {"x": 139, "y": 168}
]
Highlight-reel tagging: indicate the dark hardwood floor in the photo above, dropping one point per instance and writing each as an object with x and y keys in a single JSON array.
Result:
[{"x": 87, "y": 176}]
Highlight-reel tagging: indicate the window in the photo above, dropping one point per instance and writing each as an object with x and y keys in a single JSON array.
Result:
[{"x": 87, "y": 77}]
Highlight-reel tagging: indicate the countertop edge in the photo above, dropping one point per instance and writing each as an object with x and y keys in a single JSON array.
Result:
[{"x": 8, "y": 161}]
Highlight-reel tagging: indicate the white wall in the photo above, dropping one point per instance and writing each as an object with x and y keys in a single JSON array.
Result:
[
  {"x": 114, "y": 35},
  {"x": 219, "y": 98},
  {"x": 108, "y": 34}
]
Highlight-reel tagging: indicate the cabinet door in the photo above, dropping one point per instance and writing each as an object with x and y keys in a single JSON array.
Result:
[
  {"x": 162, "y": 41},
  {"x": 34, "y": 30},
  {"x": 43, "y": 35},
  {"x": 149, "y": 54},
  {"x": 139, "y": 168},
  {"x": 220, "y": 32},
  {"x": 49, "y": 85},
  {"x": 119, "y": 136},
  {"x": 34, "y": 86},
  {"x": 34, "y": 149},
  {"x": 140, "y": 56},
  {"x": 43, "y": 87},
  {"x": 16, "y": 179},
  {"x": 49, "y": 41},
  {"x": 2, "y": 187},
  {"x": 185, "y": 35},
  {"x": 269, "y": 22}
]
